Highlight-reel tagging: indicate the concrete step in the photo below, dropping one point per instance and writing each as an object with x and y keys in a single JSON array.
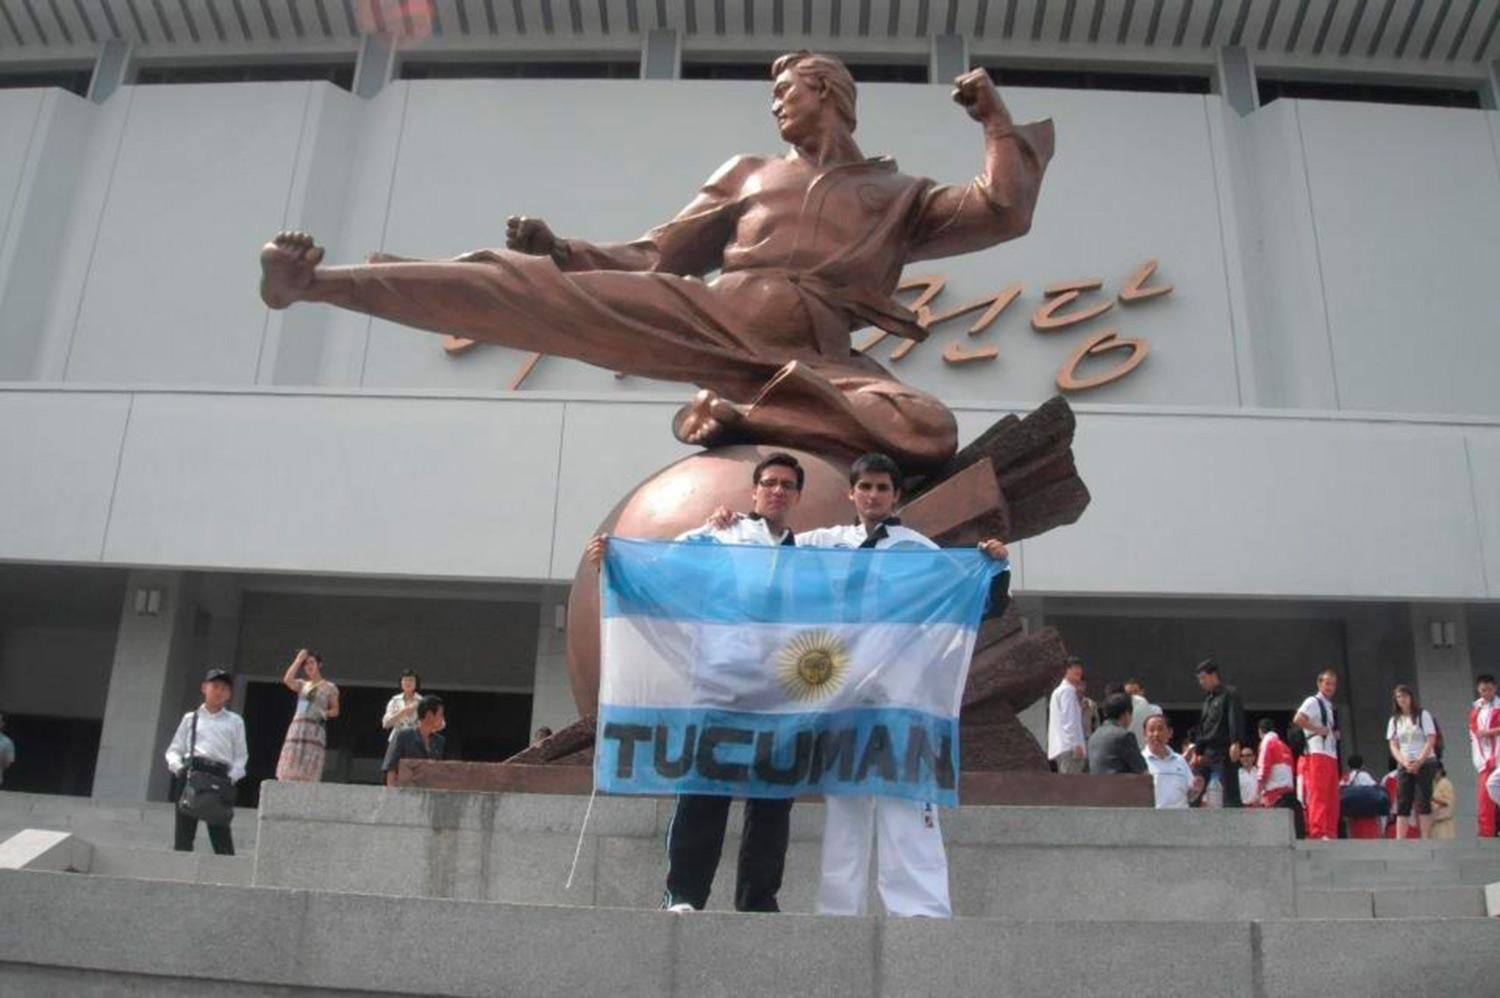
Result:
[
  {"x": 1460, "y": 901},
  {"x": 1061, "y": 863},
  {"x": 87, "y": 934},
  {"x": 159, "y": 864},
  {"x": 105, "y": 822}
]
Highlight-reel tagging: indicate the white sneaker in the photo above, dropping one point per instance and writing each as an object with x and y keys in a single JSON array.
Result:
[{"x": 681, "y": 907}]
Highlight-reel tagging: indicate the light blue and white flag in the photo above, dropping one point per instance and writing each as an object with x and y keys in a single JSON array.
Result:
[{"x": 781, "y": 671}]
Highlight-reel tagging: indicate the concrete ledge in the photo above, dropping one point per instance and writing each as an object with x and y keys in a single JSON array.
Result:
[
  {"x": 160, "y": 864},
  {"x": 107, "y": 822},
  {"x": 1075, "y": 863},
  {"x": 79, "y": 927},
  {"x": 1435, "y": 902},
  {"x": 1335, "y": 903},
  {"x": 40, "y": 849}
]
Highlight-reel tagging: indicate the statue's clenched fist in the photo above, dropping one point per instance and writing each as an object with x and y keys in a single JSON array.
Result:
[
  {"x": 530, "y": 235},
  {"x": 977, "y": 95}
]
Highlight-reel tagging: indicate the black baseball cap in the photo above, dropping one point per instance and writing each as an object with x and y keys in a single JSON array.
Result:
[{"x": 218, "y": 676}]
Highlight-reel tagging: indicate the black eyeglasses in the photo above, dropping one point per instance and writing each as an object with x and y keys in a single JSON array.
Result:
[{"x": 789, "y": 485}]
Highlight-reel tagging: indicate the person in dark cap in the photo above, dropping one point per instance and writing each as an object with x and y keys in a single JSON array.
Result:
[
  {"x": 209, "y": 739},
  {"x": 1221, "y": 729}
]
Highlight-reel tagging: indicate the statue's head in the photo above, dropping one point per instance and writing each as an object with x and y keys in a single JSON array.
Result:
[{"x": 810, "y": 91}]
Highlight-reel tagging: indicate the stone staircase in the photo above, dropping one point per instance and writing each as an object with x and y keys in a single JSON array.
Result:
[
  {"x": 1388, "y": 879},
  {"x": 358, "y": 890}
]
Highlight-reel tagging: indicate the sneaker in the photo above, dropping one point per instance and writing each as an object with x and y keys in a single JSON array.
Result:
[{"x": 681, "y": 907}]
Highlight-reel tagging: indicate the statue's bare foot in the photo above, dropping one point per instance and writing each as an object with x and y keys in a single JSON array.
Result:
[
  {"x": 708, "y": 421},
  {"x": 287, "y": 264}
]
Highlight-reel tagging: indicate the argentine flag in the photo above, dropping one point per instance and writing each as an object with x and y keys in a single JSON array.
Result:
[{"x": 781, "y": 671}]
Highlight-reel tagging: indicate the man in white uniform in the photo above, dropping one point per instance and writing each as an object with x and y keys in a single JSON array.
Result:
[
  {"x": 216, "y": 745},
  {"x": 913, "y": 878},
  {"x": 1066, "y": 742},
  {"x": 695, "y": 838},
  {"x": 1170, "y": 773}
]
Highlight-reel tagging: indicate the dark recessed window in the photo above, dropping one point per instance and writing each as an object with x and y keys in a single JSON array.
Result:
[
  {"x": 339, "y": 74},
  {"x": 1082, "y": 79},
  {"x": 73, "y": 80},
  {"x": 863, "y": 72},
  {"x": 1370, "y": 93},
  {"x": 549, "y": 69}
]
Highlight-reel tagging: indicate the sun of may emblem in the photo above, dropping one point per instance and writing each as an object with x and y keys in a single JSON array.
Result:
[{"x": 812, "y": 665}]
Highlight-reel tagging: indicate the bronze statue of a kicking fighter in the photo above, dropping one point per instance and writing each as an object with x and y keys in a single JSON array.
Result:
[{"x": 808, "y": 247}]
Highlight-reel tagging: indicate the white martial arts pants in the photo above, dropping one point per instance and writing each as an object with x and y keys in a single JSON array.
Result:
[{"x": 913, "y": 876}]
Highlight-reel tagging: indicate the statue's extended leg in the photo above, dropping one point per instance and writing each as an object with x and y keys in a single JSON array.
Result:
[{"x": 842, "y": 415}]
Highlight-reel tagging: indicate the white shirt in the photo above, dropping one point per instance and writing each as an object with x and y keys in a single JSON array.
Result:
[
  {"x": 1482, "y": 748},
  {"x": 1172, "y": 778},
  {"x": 744, "y": 530},
  {"x": 1249, "y": 787},
  {"x": 1140, "y": 709},
  {"x": 221, "y": 738},
  {"x": 1410, "y": 735},
  {"x": 1359, "y": 778},
  {"x": 1317, "y": 744},
  {"x": 1492, "y": 786},
  {"x": 393, "y": 708},
  {"x": 852, "y": 535},
  {"x": 1064, "y": 721}
]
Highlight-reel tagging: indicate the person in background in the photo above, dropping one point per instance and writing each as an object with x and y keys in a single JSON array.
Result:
[
  {"x": 214, "y": 744},
  {"x": 307, "y": 735},
  {"x": 1171, "y": 776},
  {"x": 1443, "y": 799},
  {"x": 1413, "y": 740},
  {"x": 1249, "y": 778},
  {"x": 1066, "y": 741},
  {"x": 1140, "y": 708},
  {"x": 7, "y": 751},
  {"x": 1365, "y": 826},
  {"x": 1273, "y": 774},
  {"x": 401, "y": 711},
  {"x": 419, "y": 742},
  {"x": 1221, "y": 725},
  {"x": 1320, "y": 783},
  {"x": 1484, "y": 743},
  {"x": 1113, "y": 749}
]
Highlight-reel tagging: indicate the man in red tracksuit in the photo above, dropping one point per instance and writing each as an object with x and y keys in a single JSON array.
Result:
[
  {"x": 1319, "y": 718},
  {"x": 1484, "y": 726}
]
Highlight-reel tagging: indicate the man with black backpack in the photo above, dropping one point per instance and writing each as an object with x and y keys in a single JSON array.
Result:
[{"x": 1319, "y": 721}]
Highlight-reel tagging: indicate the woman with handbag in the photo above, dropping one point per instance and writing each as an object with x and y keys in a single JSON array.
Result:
[
  {"x": 209, "y": 753},
  {"x": 307, "y": 737},
  {"x": 1412, "y": 735}
]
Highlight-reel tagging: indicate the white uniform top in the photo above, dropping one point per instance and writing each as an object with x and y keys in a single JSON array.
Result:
[
  {"x": 220, "y": 738},
  {"x": 749, "y": 529},
  {"x": 1171, "y": 776},
  {"x": 852, "y": 535},
  {"x": 1410, "y": 735},
  {"x": 1359, "y": 778},
  {"x": 1064, "y": 720},
  {"x": 1492, "y": 786},
  {"x": 1317, "y": 744}
]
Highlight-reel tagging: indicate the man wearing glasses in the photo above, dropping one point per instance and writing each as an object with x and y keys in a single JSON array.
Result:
[{"x": 695, "y": 838}]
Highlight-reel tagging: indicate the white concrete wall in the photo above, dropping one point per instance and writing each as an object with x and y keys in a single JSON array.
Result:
[
  {"x": 1324, "y": 255},
  {"x": 1226, "y": 502}
]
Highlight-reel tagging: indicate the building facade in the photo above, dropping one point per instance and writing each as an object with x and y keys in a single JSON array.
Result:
[{"x": 1294, "y": 447}]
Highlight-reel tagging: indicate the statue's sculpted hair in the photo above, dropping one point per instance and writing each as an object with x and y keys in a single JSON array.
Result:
[{"x": 831, "y": 75}]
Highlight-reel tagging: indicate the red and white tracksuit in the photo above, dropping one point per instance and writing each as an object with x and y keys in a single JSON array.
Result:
[
  {"x": 1273, "y": 769},
  {"x": 1321, "y": 783},
  {"x": 1484, "y": 714}
]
